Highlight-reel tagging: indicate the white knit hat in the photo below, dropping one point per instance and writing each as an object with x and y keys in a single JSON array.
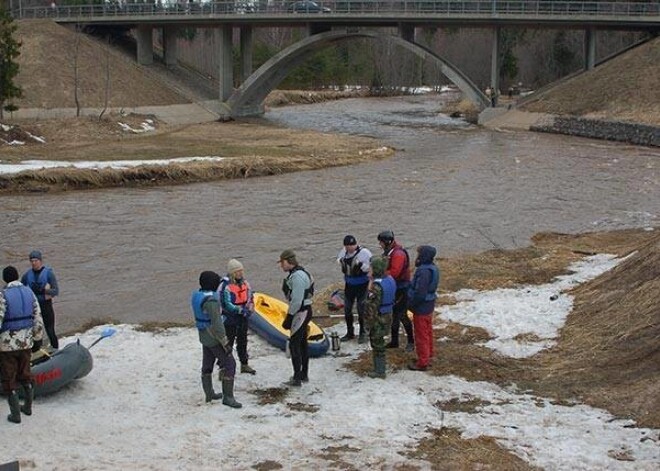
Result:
[{"x": 233, "y": 266}]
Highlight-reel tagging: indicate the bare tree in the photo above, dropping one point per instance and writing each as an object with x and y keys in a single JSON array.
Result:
[
  {"x": 106, "y": 96},
  {"x": 76, "y": 71}
]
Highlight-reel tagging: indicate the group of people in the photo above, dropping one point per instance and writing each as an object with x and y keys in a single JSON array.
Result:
[
  {"x": 26, "y": 311},
  {"x": 222, "y": 307},
  {"x": 381, "y": 288}
]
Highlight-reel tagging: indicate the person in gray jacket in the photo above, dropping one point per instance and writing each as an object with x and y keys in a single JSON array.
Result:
[
  {"x": 215, "y": 344},
  {"x": 298, "y": 288}
]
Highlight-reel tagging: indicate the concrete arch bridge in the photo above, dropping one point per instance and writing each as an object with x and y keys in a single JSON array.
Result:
[{"x": 247, "y": 100}]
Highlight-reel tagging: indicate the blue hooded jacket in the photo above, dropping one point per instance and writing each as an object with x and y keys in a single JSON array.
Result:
[{"x": 422, "y": 292}]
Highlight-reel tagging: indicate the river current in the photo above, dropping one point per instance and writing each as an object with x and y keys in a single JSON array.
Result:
[{"x": 134, "y": 255}]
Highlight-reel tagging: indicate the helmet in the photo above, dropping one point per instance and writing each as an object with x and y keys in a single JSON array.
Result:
[{"x": 386, "y": 236}]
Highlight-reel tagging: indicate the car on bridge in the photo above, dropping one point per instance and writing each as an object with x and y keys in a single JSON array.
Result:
[{"x": 307, "y": 6}]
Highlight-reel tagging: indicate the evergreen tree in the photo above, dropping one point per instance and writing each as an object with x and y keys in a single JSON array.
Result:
[{"x": 9, "y": 51}]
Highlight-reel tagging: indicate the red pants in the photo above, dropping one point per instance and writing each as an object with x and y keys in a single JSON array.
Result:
[{"x": 423, "y": 325}]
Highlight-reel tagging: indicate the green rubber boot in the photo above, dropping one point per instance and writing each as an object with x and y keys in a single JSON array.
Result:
[
  {"x": 209, "y": 393},
  {"x": 14, "y": 408},
  {"x": 26, "y": 408},
  {"x": 228, "y": 393},
  {"x": 379, "y": 368}
]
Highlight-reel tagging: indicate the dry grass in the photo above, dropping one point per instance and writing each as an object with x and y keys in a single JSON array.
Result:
[
  {"x": 626, "y": 88},
  {"x": 251, "y": 149},
  {"x": 446, "y": 450},
  {"x": 47, "y": 71}
]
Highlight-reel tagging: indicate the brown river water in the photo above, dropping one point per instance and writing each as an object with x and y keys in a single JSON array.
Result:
[{"x": 134, "y": 255}]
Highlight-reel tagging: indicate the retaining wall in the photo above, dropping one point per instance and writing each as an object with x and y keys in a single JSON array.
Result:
[{"x": 640, "y": 134}]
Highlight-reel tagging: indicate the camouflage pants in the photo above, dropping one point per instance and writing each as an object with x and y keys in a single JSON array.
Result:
[{"x": 378, "y": 329}]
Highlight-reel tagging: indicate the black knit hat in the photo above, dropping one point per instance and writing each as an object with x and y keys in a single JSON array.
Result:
[
  {"x": 209, "y": 280},
  {"x": 350, "y": 240},
  {"x": 9, "y": 274}
]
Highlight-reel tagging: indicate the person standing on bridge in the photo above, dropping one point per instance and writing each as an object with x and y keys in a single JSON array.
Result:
[
  {"x": 354, "y": 261},
  {"x": 21, "y": 331}
]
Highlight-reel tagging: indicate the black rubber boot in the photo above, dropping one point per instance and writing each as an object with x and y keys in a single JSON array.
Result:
[
  {"x": 228, "y": 392},
  {"x": 209, "y": 393},
  {"x": 14, "y": 408},
  {"x": 26, "y": 408}
]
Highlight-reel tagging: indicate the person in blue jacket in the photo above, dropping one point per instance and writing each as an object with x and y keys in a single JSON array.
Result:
[
  {"x": 215, "y": 344},
  {"x": 41, "y": 280},
  {"x": 21, "y": 330},
  {"x": 421, "y": 301}
]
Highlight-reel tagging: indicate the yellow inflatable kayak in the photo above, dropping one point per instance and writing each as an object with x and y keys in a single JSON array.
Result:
[{"x": 266, "y": 321}]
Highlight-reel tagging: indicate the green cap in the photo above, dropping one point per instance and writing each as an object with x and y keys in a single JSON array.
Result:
[{"x": 378, "y": 265}]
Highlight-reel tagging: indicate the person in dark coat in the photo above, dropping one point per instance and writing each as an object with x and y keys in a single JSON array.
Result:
[
  {"x": 421, "y": 301},
  {"x": 215, "y": 344}
]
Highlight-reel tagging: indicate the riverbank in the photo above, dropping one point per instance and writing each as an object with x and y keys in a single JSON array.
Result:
[{"x": 242, "y": 150}]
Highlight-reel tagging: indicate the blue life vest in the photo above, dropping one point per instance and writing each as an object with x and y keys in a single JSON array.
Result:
[
  {"x": 18, "y": 315},
  {"x": 388, "y": 286},
  {"x": 41, "y": 280},
  {"x": 199, "y": 297},
  {"x": 433, "y": 284}
]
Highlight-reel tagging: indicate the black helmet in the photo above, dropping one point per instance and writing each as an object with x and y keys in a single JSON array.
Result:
[{"x": 386, "y": 236}]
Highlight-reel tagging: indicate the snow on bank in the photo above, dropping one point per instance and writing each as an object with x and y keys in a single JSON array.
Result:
[
  {"x": 97, "y": 165},
  {"x": 141, "y": 408},
  {"x": 537, "y": 310}
]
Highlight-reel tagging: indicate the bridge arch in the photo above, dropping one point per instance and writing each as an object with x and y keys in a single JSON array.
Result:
[{"x": 248, "y": 98}]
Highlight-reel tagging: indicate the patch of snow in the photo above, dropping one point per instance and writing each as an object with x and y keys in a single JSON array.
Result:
[
  {"x": 144, "y": 127},
  {"x": 6, "y": 168},
  {"x": 142, "y": 407},
  {"x": 541, "y": 310}
]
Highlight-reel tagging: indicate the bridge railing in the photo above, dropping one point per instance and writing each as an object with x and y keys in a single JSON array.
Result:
[{"x": 492, "y": 8}]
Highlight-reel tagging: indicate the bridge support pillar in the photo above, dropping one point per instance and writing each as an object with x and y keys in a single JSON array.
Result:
[
  {"x": 145, "y": 45},
  {"x": 246, "y": 52},
  {"x": 495, "y": 66},
  {"x": 226, "y": 72},
  {"x": 169, "y": 46},
  {"x": 407, "y": 32},
  {"x": 589, "y": 48}
]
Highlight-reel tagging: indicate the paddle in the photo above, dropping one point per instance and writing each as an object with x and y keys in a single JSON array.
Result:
[{"x": 107, "y": 332}]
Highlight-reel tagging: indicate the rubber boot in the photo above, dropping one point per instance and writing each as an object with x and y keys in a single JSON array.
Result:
[
  {"x": 207, "y": 385},
  {"x": 379, "y": 368},
  {"x": 26, "y": 408},
  {"x": 228, "y": 393},
  {"x": 14, "y": 407}
]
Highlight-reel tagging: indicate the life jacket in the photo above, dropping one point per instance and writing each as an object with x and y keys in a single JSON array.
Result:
[
  {"x": 199, "y": 297},
  {"x": 41, "y": 280},
  {"x": 388, "y": 286},
  {"x": 18, "y": 314},
  {"x": 433, "y": 284},
  {"x": 286, "y": 288},
  {"x": 403, "y": 280},
  {"x": 352, "y": 269},
  {"x": 240, "y": 293}
]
